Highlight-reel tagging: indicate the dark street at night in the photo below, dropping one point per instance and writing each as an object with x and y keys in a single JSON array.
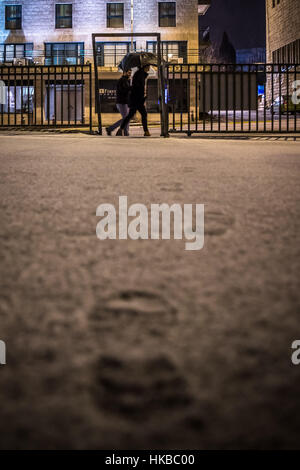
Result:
[{"x": 149, "y": 235}]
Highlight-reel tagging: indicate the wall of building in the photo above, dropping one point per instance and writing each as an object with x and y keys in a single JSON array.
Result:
[
  {"x": 283, "y": 30},
  {"x": 89, "y": 16},
  {"x": 283, "y": 24}
]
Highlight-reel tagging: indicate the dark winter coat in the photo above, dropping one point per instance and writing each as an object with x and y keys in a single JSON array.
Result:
[
  {"x": 137, "y": 94},
  {"x": 123, "y": 89}
]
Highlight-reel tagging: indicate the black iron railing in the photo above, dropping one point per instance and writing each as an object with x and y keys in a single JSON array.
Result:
[
  {"x": 51, "y": 96},
  {"x": 233, "y": 98}
]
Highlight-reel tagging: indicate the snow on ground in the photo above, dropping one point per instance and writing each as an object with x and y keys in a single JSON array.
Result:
[{"x": 141, "y": 344}]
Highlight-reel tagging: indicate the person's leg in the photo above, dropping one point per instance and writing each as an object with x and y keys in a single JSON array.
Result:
[
  {"x": 119, "y": 122},
  {"x": 115, "y": 125},
  {"x": 142, "y": 110},
  {"x": 126, "y": 114},
  {"x": 126, "y": 121},
  {"x": 124, "y": 110}
]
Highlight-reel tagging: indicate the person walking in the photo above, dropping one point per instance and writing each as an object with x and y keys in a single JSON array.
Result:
[
  {"x": 137, "y": 101},
  {"x": 123, "y": 89}
]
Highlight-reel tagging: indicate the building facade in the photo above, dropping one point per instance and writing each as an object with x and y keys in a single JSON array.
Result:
[
  {"x": 59, "y": 32},
  {"x": 283, "y": 49},
  {"x": 283, "y": 31}
]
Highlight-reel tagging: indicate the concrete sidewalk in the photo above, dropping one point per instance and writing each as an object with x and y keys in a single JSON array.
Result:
[{"x": 141, "y": 344}]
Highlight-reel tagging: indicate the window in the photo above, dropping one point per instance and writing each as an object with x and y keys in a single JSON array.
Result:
[
  {"x": 115, "y": 15},
  {"x": 9, "y": 52},
  {"x": 13, "y": 17},
  {"x": 167, "y": 14},
  {"x": 170, "y": 49},
  {"x": 289, "y": 54},
  {"x": 110, "y": 54},
  {"x": 64, "y": 53},
  {"x": 63, "y": 16}
]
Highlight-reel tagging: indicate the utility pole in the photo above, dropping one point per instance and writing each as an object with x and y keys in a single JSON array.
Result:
[{"x": 132, "y": 42}]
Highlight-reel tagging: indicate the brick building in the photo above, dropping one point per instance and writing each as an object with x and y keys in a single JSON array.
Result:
[
  {"x": 283, "y": 31},
  {"x": 59, "y": 32},
  {"x": 283, "y": 47}
]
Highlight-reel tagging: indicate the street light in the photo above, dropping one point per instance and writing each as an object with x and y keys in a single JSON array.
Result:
[{"x": 132, "y": 47}]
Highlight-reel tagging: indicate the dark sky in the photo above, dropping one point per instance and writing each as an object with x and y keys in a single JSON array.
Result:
[{"x": 244, "y": 21}]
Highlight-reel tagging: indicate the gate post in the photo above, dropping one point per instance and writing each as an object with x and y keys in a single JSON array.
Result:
[
  {"x": 161, "y": 87},
  {"x": 98, "y": 101}
]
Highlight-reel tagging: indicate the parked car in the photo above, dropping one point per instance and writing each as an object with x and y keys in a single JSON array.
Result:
[{"x": 284, "y": 104}]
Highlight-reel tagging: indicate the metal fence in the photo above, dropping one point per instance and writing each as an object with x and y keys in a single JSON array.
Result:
[
  {"x": 46, "y": 96},
  {"x": 198, "y": 98},
  {"x": 218, "y": 98}
]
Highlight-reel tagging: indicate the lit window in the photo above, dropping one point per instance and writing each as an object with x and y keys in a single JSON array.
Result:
[
  {"x": 13, "y": 17},
  {"x": 167, "y": 14},
  {"x": 64, "y": 53},
  {"x": 171, "y": 50},
  {"x": 63, "y": 16},
  {"x": 9, "y": 52},
  {"x": 115, "y": 15},
  {"x": 110, "y": 54}
]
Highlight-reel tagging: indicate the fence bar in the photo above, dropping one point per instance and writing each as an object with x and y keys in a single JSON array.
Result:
[
  {"x": 211, "y": 98},
  {"x": 188, "y": 100},
  {"x": 288, "y": 99},
  {"x": 204, "y": 98},
  {"x": 249, "y": 97},
  {"x": 75, "y": 98},
  {"x": 15, "y": 91},
  {"x": 280, "y": 98},
  {"x": 181, "y": 99},
  {"x": 226, "y": 96},
  {"x": 197, "y": 100},
  {"x": 91, "y": 100},
  {"x": 272, "y": 97},
  {"x": 69, "y": 116},
  {"x": 48, "y": 96},
  {"x": 82, "y": 97},
  {"x": 55, "y": 97},
  {"x": 295, "y": 106}
]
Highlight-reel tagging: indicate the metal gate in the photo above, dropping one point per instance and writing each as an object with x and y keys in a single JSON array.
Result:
[
  {"x": 219, "y": 98},
  {"x": 161, "y": 74},
  {"x": 46, "y": 96}
]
